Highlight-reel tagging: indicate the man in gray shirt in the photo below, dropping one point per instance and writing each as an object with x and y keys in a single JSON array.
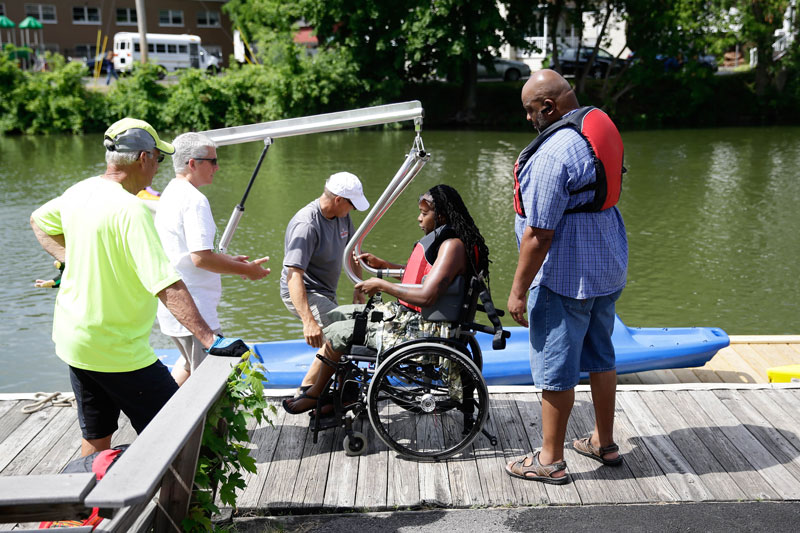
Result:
[{"x": 312, "y": 263}]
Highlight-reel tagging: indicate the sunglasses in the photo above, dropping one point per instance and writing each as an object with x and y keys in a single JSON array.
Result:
[
  {"x": 212, "y": 159},
  {"x": 160, "y": 157}
]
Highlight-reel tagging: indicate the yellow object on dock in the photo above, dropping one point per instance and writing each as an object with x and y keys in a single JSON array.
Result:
[{"x": 784, "y": 374}]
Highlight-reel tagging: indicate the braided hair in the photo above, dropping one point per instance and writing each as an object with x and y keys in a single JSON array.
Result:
[{"x": 447, "y": 203}]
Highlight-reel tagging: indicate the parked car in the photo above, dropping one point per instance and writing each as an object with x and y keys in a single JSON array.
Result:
[
  {"x": 602, "y": 62},
  {"x": 675, "y": 63},
  {"x": 507, "y": 69}
]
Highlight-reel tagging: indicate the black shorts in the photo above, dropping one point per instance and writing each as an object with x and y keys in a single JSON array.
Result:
[{"x": 100, "y": 396}]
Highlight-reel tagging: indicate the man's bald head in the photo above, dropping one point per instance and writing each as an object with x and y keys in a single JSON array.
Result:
[{"x": 546, "y": 97}]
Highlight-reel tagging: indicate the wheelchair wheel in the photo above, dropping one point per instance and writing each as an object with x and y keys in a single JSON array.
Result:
[
  {"x": 475, "y": 350},
  {"x": 428, "y": 401},
  {"x": 355, "y": 445}
]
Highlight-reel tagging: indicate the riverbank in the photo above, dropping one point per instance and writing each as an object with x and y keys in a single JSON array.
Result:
[{"x": 61, "y": 101}]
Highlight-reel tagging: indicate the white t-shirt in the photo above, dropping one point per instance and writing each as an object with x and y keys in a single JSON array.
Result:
[{"x": 185, "y": 225}]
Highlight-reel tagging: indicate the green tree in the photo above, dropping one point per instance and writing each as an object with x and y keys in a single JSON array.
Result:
[
  {"x": 757, "y": 21},
  {"x": 393, "y": 43}
]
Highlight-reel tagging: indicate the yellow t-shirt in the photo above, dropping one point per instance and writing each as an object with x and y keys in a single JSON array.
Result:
[{"x": 115, "y": 266}]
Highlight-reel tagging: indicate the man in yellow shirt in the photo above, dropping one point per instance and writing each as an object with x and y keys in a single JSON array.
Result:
[{"x": 115, "y": 269}]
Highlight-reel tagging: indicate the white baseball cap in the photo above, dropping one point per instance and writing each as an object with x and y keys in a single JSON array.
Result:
[{"x": 348, "y": 186}]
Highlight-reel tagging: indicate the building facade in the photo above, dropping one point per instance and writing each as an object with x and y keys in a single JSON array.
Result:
[{"x": 71, "y": 26}]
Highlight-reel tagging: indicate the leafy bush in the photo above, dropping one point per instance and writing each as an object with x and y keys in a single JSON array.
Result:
[
  {"x": 139, "y": 95},
  {"x": 45, "y": 102}
]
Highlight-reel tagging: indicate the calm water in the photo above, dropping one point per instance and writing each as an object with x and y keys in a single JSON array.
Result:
[{"x": 711, "y": 218}]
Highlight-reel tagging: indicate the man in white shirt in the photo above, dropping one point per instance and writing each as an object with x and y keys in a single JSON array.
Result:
[{"x": 186, "y": 228}]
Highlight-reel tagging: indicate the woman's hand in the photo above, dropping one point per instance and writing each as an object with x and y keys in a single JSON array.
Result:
[
  {"x": 371, "y": 286},
  {"x": 371, "y": 260}
]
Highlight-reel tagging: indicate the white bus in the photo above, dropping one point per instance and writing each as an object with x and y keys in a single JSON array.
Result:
[{"x": 171, "y": 52}]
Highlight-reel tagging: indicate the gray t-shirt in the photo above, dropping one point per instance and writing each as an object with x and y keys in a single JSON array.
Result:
[{"x": 315, "y": 245}]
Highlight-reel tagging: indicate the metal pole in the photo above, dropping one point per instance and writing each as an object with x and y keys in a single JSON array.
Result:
[
  {"x": 238, "y": 211},
  {"x": 141, "y": 21},
  {"x": 342, "y": 120}
]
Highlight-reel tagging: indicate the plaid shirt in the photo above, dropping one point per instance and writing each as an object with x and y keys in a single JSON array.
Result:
[{"x": 589, "y": 253}]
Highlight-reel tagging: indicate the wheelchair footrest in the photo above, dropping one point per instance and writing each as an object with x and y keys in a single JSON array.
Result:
[{"x": 326, "y": 422}]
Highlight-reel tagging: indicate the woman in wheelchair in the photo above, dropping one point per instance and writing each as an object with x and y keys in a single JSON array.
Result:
[{"x": 453, "y": 246}]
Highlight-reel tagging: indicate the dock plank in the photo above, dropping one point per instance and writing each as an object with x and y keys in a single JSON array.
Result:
[
  {"x": 726, "y": 442},
  {"x": 277, "y": 493},
  {"x": 312, "y": 474},
  {"x": 25, "y": 462},
  {"x": 656, "y": 377},
  {"x": 434, "y": 483},
  {"x": 731, "y": 368},
  {"x": 672, "y": 462},
  {"x": 17, "y": 440},
  {"x": 749, "y": 481},
  {"x": 644, "y": 469},
  {"x": 344, "y": 469},
  {"x": 779, "y": 446},
  {"x": 402, "y": 489},
  {"x": 514, "y": 443},
  {"x": 706, "y": 374},
  {"x": 373, "y": 470},
  {"x": 264, "y": 440},
  {"x": 462, "y": 472},
  {"x": 495, "y": 482},
  {"x": 777, "y": 354},
  {"x": 753, "y": 359},
  {"x": 585, "y": 473},
  {"x": 783, "y": 418},
  {"x": 756, "y": 454},
  {"x": 702, "y": 460},
  {"x": 618, "y": 480},
  {"x": 529, "y": 410}
]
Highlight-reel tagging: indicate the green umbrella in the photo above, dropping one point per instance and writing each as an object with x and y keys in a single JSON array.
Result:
[
  {"x": 31, "y": 23},
  {"x": 7, "y": 24}
]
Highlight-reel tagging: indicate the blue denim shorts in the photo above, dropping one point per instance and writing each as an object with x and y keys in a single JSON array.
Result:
[{"x": 569, "y": 336}]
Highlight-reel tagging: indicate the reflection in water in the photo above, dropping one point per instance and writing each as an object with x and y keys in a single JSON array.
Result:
[{"x": 710, "y": 216}]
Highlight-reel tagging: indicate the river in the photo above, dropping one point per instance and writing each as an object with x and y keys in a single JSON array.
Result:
[{"x": 711, "y": 218}]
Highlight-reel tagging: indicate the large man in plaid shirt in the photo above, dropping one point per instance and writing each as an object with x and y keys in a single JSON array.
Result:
[{"x": 575, "y": 267}]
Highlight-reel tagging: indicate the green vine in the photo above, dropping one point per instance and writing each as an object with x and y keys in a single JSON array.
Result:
[{"x": 224, "y": 454}]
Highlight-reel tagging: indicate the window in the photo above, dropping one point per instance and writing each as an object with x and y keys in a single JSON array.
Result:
[
  {"x": 172, "y": 49},
  {"x": 126, "y": 16},
  {"x": 85, "y": 15},
  {"x": 44, "y": 13},
  {"x": 2, "y": 9},
  {"x": 136, "y": 47},
  {"x": 85, "y": 50},
  {"x": 151, "y": 48},
  {"x": 161, "y": 48},
  {"x": 170, "y": 17},
  {"x": 183, "y": 49},
  {"x": 208, "y": 19}
]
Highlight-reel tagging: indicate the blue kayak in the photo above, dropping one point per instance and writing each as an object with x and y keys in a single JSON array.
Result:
[{"x": 637, "y": 349}]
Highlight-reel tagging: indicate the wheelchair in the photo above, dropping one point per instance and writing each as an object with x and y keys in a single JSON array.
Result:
[{"x": 424, "y": 397}]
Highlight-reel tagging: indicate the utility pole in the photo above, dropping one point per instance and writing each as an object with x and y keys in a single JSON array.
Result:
[{"x": 141, "y": 21}]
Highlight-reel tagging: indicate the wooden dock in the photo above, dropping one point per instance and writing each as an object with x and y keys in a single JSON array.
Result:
[{"x": 717, "y": 433}]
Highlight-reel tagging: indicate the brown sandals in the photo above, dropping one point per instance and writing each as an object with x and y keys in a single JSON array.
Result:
[
  {"x": 585, "y": 447},
  {"x": 536, "y": 471}
]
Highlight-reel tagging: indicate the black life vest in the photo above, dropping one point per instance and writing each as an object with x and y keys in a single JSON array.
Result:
[
  {"x": 605, "y": 143},
  {"x": 423, "y": 256}
]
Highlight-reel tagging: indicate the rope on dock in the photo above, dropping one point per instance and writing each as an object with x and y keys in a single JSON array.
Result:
[{"x": 45, "y": 398}]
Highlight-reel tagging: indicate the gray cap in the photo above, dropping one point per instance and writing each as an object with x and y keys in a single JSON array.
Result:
[{"x": 132, "y": 135}]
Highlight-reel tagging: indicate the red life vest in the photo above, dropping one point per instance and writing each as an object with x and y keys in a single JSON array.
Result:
[
  {"x": 423, "y": 256},
  {"x": 605, "y": 143}
]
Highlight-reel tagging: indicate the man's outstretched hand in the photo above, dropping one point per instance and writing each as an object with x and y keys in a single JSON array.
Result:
[{"x": 228, "y": 347}]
